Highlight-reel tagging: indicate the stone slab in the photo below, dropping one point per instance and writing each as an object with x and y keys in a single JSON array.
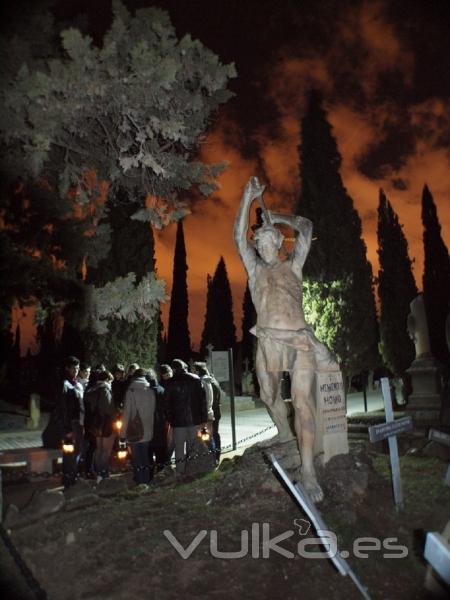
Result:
[
  {"x": 38, "y": 460},
  {"x": 331, "y": 419}
]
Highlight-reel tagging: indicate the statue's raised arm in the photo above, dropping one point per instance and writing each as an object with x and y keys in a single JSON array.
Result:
[
  {"x": 303, "y": 227},
  {"x": 253, "y": 190}
]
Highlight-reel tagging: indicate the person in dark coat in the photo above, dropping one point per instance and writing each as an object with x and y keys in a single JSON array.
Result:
[
  {"x": 86, "y": 465},
  {"x": 71, "y": 410},
  {"x": 186, "y": 410},
  {"x": 158, "y": 449},
  {"x": 102, "y": 413},
  {"x": 118, "y": 387}
]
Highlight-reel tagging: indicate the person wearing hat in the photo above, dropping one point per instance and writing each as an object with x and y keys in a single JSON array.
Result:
[{"x": 186, "y": 410}]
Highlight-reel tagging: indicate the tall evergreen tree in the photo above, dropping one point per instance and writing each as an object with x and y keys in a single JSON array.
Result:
[
  {"x": 340, "y": 303},
  {"x": 436, "y": 277},
  {"x": 209, "y": 317},
  {"x": 13, "y": 373},
  {"x": 396, "y": 289},
  {"x": 219, "y": 329},
  {"x": 129, "y": 111},
  {"x": 248, "y": 320},
  {"x": 131, "y": 251},
  {"x": 178, "y": 338},
  {"x": 16, "y": 348}
]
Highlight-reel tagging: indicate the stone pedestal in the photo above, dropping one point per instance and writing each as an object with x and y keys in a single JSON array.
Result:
[
  {"x": 424, "y": 404},
  {"x": 331, "y": 418}
]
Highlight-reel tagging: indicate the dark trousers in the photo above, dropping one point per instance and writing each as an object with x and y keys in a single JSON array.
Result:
[
  {"x": 70, "y": 461},
  {"x": 141, "y": 464},
  {"x": 104, "y": 446},
  {"x": 86, "y": 464},
  {"x": 158, "y": 455},
  {"x": 158, "y": 449},
  {"x": 216, "y": 438}
]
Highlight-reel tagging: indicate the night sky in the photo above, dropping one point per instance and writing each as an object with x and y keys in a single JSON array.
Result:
[{"x": 384, "y": 71}]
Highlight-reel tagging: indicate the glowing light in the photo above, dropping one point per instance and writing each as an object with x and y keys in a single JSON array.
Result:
[
  {"x": 204, "y": 434},
  {"x": 68, "y": 447}
]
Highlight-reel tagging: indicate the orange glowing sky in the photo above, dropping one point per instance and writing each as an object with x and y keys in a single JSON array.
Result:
[
  {"x": 208, "y": 231},
  {"x": 384, "y": 74}
]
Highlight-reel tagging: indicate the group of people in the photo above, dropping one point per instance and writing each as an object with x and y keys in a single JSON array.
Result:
[{"x": 97, "y": 407}]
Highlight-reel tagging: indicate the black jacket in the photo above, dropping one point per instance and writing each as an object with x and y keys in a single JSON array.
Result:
[
  {"x": 71, "y": 403},
  {"x": 185, "y": 400},
  {"x": 100, "y": 410}
]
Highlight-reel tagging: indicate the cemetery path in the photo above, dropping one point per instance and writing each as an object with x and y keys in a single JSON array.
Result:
[{"x": 124, "y": 546}]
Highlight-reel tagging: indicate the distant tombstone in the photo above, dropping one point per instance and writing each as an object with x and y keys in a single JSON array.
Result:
[
  {"x": 35, "y": 411},
  {"x": 424, "y": 403},
  {"x": 442, "y": 438},
  {"x": 418, "y": 327},
  {"x": 248, "y": 389},
  {"x": 220, "y": 365},
  {"x": 331, "y": 416}
]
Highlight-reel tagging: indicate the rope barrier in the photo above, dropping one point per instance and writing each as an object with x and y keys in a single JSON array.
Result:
[
  {"x": 32, "y": 583},
  {"x": 16, "y": 474}
]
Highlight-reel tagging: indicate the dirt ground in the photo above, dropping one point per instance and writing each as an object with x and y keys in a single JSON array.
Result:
[{"x": 119, "y": 548}]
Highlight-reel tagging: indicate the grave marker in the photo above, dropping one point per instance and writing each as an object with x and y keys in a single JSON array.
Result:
[
  {"x": 435, "y": 435},
  {"x": 437, "y": 553},
  {"x": 331, "y": 416},
  {"x": 222, "y": 368},
  {"x": 390, "y": 430}
]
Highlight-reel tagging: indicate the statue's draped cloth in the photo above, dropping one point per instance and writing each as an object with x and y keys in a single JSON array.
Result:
[{"x": 288, "y": 350}]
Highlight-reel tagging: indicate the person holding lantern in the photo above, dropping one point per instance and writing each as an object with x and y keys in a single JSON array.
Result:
[
  {"x": 200, "y": 369},
  {"x": 71, "y": 415}
]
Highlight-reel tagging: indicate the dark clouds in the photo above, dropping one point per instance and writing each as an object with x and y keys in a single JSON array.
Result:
[
  {"x": 368, "y": 64},
  {"x": 383, "y": 69}
]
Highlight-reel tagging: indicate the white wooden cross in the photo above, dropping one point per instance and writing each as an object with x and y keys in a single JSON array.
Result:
[{"x": 390, "y": 430}]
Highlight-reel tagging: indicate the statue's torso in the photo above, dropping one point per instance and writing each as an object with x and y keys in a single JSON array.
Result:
[{"x": 277, "y": 296}]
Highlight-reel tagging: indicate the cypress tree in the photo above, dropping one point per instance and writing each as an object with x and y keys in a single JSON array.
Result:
[
  {"x": 248, "y": 320},
  {"x": 436, "y": 277},
  {"x": 396, "y": 289},
  {"x": 16, "y": 347},
  {"x": 208, "y": 325},
  {"x": 48, "y": 359},
  {"x": 178, "y": 338},
  {"x": 339, "y": 303},
  {"x": 14, "y": 367},
  {"x": 219, "y": 329},
  {"x": 131, "y": 250}
]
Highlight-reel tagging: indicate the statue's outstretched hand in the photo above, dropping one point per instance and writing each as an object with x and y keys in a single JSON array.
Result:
[{"x": 254, "y": 188}]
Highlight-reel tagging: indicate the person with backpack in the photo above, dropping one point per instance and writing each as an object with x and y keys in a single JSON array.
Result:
[{"x": 137, "y": 424}]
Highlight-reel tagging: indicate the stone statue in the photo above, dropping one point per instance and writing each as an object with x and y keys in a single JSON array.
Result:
[
  {"x": 418, "y": 327},
  {"x": 285, "y": 342}
]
